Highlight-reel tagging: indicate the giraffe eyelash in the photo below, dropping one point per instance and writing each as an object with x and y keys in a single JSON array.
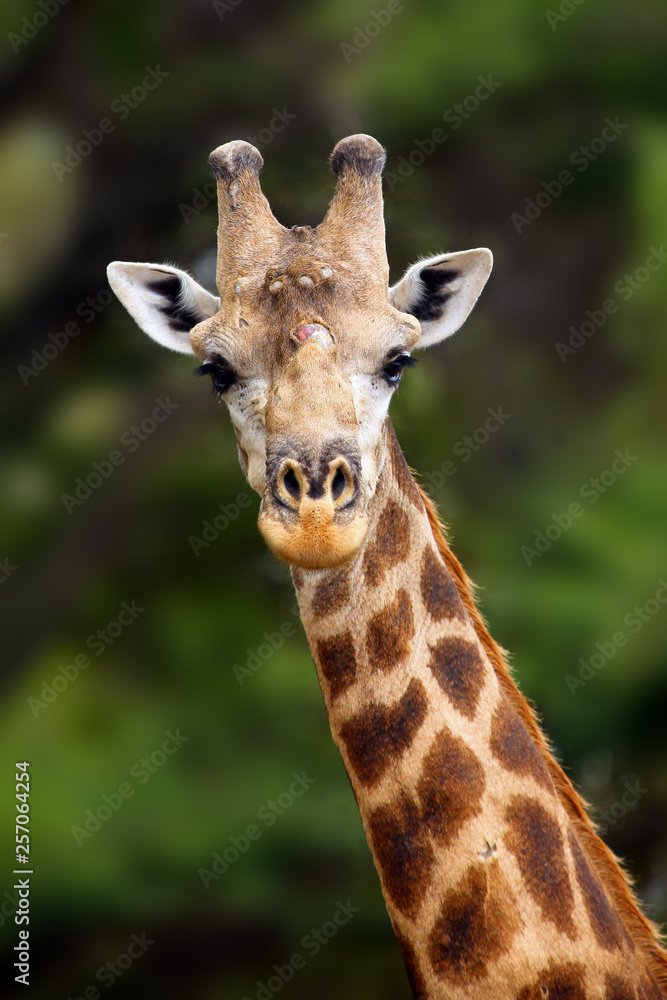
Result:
[
  {"x": 222, "y": 376},
  {"x": 393, "y": 370}
]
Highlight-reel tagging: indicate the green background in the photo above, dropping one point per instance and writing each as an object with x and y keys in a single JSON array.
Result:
[{"x": 229, "y": 67}]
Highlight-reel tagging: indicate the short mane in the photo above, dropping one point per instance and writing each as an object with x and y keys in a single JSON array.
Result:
[{"x": 609, "y": 869}]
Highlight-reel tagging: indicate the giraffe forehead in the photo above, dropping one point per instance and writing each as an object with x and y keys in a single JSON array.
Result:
[
  {"x": 295, "y": 300},
  {"x": 304, "y": 273},
  {"x": 268, "y": 316}
]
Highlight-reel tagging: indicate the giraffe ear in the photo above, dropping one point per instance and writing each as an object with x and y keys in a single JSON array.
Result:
[
  {"x": 441, "y": 291},
  {"x": 165, "y": 301}
]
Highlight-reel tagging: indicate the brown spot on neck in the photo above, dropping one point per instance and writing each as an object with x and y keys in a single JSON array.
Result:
[
  {"x": 331, "y": 594},
  {"x": 403, "y": 853},
  {"x": 618, "y": 989},
  {"x": 414, "y": 973},
  {"x": 607, "y": 928},
  {"x": 390, "y": 632},
  {"x": 535, "y": 840},
  {"x": 643, "y": 933},
  {"x": 390, "y": 544},
  {"x": 451, "y": 787},
  {"x": 557, "y": 982},
  {"x": 379, "y": 735},
  {"x": 512, "y": 746},
  {"x": 401, "y": 470},
  {"x": 477, "y": 922},
  {"x": 338, "y": 662},
  {"x": 439, "y": 594},
  {"x": 458, "y": 667}
]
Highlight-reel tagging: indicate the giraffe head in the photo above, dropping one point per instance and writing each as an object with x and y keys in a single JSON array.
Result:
[{"x": 306, "y": 342}]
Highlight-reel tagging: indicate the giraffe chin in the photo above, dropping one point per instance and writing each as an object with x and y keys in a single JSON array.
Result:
[{"x": 314, "y": 540}]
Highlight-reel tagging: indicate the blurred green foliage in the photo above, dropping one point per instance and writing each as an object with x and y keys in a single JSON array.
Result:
[{"x": 140, "y": 195}]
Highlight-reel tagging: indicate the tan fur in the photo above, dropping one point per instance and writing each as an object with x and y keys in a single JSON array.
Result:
[
  {"x": 608, "y": 867},
  {"x": 331, "y": 281},
  {"x": 495, "y": 880},
  {"x": 491, "y": 870}
]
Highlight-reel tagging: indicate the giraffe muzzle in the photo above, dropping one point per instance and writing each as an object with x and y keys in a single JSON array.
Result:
[
  {"x": 312, "y": 514},
  {"x": 295, "y": 484}
]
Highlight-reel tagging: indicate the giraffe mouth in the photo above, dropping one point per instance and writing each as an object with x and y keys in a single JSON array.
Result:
[{"x": 315, "y": 535}]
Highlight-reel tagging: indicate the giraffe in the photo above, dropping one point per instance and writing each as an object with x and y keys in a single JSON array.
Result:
[{"x": 495, "y": 881}]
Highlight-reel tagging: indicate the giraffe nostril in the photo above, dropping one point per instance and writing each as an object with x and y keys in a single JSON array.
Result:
[
  {"x": 291, "y": 484},
  {"x": 338, "y": 483}
]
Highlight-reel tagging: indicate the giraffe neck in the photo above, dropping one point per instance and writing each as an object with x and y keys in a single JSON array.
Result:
[{"x": 484, "y": 860}]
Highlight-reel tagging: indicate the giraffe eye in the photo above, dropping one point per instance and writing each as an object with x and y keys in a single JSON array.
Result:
[
  {"x": 221, "y": 374},
  {"x": 394, "y": 369}
]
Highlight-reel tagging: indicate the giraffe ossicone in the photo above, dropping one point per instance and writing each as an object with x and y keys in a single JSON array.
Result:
[
  {"x": 495, "y": 880},
  {"x": 307, "y": 340}
]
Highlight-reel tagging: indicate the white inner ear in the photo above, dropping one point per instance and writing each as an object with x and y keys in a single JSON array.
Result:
[
  {"x": 163, "y": 300},
  {"x": 441, "y": 291}
]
